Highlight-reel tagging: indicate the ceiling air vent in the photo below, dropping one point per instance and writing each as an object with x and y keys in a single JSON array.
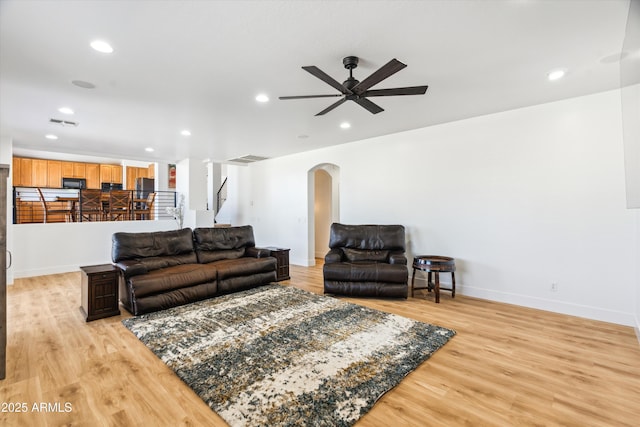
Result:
[
  {"x": 248, "y": 159},
  {"x": 63, "y": 122}
]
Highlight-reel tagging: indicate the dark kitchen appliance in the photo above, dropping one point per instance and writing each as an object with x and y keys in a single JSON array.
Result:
[
  {"x": 144, "y": 186},
  {"x": 108, "y": 186},
  {"x": 74, "y": 183}
]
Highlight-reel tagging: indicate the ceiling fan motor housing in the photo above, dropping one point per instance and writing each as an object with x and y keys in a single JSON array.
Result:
[{"x": 350, "y": 62}]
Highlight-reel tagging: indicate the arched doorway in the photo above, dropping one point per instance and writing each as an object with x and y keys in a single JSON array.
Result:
[{"x": 324, "y": 207}]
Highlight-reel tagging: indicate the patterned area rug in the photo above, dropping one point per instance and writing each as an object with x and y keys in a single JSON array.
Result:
[{"x": 281, "y": 356}]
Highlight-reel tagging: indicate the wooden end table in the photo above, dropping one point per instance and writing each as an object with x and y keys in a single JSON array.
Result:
[
  {"x": 282, "y": 257},
  {"x": 434, "y": 265},
  {"x": 99, "y": 291}
]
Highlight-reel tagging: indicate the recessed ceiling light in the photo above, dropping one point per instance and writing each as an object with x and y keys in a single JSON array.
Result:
[
  {"x": 51, "y": 136},
  {"x": 345, "y": 125},
  {"x": 65, "y": 110},
  {"x": 149, "y": 150},
  {"x": 83, "y": 84},
  {"x": 556, "y": 74},
  {"x": 101, "y": 46},
  {"x": 262, "y": 98},
  {"x": 185, "y": 133}
]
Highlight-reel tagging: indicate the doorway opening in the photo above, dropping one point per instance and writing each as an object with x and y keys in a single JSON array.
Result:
[{"x": 324, "y": 207}]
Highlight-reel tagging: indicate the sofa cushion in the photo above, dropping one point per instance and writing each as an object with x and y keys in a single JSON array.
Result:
[
  {"x": 216, "y": 243},
  {"x": 244, "y": 266},
  {"x": 366, "y": 272},
  {"x": 157, "y": 262},
  {"x": 223, "y": 238},
  {"x": 170, "y": 278},
  {"x": 153, "y": 244},
  {"x": 356, "y": 255},
  {"x": 369, "y": 237},
  {"x": 211, "y": 256}
]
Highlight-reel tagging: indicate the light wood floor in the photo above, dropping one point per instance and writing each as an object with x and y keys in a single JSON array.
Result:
[{"x": 506, "y": 366}]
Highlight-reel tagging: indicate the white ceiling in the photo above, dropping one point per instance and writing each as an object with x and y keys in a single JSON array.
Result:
[{"x": 198, "y": 65}]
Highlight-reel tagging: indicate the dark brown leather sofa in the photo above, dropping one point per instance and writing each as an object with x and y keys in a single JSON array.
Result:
[
  {"x": 366, "y": 260},
  {"x": 164, "y": 269}
]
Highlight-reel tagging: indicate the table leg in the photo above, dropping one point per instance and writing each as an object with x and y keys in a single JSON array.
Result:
[
  {"x": 413, "y": 279},
  {"x": 453, "y": 284},
  {"x": 429, "y": 281},
  {"x": 437, "y": 286}
]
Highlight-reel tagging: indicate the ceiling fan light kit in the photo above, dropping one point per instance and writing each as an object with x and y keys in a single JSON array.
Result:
[{"x": 357, "y": 91}]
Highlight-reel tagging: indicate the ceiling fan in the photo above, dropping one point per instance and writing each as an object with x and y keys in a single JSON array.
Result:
[{"x": 354, "y": 90}]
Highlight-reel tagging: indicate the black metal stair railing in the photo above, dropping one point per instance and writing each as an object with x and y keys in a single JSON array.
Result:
[
  {"x": 64, "y": 206},
  {"x": 221, "y": 197}
]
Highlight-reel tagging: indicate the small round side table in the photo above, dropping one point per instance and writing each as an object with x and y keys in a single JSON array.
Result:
[{"x": 434, "y": 265}]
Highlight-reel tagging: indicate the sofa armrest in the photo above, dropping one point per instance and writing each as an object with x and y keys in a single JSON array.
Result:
[
  {"x": 334, "y": 255},
  {"x": 257, "y": 252},
  {"x": 397, "y": 258},
  {"x": 131, "y": 268}
]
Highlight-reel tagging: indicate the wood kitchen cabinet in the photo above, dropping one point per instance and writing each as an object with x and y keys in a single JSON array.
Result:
[
  {"x": 73, "y": 169},
  {"x": 116, "y": 174},
  {"x": 28, "y": 172},
  {"x": 67, "y": 169},
  {"x": 54, "y": 174},
  {"x": 79, "y": 170},
  {"x": 22, "y": 169},
  {"x": 134, "y": 173},
  {"x": 24, "y": 212},
  {"x": 92, "y": 171},
  {"x": 39, "y": 173},
  {"x": 16, "y": 168},
  {"x": 111, "y": 173}
]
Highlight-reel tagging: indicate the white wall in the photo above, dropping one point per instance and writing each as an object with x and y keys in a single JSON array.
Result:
[
  {"x": 631, "y": 130},
  {"x": 521, "y": 199},
  {"x": 191, "y": 181},
  {"x": 40, "y": 249}
]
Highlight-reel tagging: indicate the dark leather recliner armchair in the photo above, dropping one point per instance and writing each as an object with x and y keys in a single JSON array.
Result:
[{"x": 366, "y": 260}]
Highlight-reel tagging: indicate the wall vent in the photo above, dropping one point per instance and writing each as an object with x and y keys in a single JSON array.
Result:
[
  {"x": 247, "y": 159},
  {"x": 63, "y": 122}
]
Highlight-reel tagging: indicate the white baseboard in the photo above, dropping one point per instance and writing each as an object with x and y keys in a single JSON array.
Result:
[
  {"x": 595, "y": 313},
  {"x": 302, "y": 261},
  {"x": 53, "y": 270},
  {"x": 637, "y": 328},
  {"x": 589, "y": 312}
]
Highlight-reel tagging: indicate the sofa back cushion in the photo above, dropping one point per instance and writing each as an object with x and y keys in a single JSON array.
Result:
[
  {"x": 214, "y": 244},
  {"x": 367, "y": 237},
  {"x": 365, "y": 255},
  {"x": 155, "y": 250}
]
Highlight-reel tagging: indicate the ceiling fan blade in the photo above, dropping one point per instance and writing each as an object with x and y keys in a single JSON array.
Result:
[
  {"x": 382, "y": 73},
  {"x": 373, "y": 108},
  {"x": 309, "y": 96},
  {"x": 327, "y": 79},
  {"x": 332, "y": 106},
  {"x": 414, "y": 90}
]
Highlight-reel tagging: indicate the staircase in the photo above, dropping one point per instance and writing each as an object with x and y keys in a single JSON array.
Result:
[{"x": 221, "y": 197}]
